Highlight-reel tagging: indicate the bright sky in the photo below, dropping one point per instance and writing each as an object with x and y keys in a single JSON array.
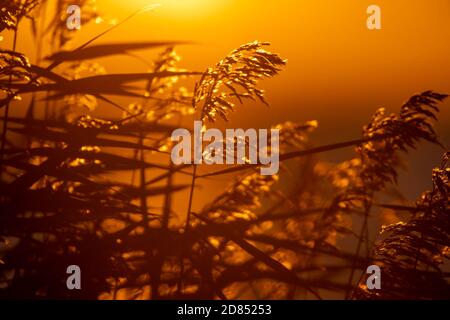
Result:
[{"x": 339, "y": 72}]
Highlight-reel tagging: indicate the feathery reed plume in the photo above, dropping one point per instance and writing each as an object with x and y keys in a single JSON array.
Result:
[
  {"x": 58, "y": 26},
  {"x": 65, "y": 196},
  {"x": 164, "y": 99},
  {"x": 12, "y": 11},
  {"x": 397, "y": 132},
  {"x": 240, "y": 199},
  {"x": 412, "y": 254},
  {"x": 377, "y": 162},
  {"x": 14, "y": 69},
  {"x": 235, "y": 77}
]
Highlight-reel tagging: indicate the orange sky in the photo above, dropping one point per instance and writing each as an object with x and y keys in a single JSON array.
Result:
[
  {"x": 338, "y": 72},
  {"x": 335, "y": 63}
]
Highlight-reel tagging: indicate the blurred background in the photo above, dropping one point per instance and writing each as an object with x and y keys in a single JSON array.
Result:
[{"x": 338, "y": 71}]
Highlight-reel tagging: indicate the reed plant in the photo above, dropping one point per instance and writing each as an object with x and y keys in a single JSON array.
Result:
[{"x": 264, "y": 237}]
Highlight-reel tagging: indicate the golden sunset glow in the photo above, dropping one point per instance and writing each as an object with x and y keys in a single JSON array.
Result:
[
  {"x": 224, "y": 149},
  {"x": 191, "y": 8}
]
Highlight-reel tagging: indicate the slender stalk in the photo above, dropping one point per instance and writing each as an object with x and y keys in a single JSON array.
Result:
[
  {"x": 168, "y": 199},
  {"x": 116, "y": 284},
  {"x": 5, "y": 118},
  {"x": 142, "y": 175},
  {"x": 358, "y": 249},
  {"x": 191, "y": 197},
  {"x": 188, "y": 221},
  {"x": 165, "y": 227},
  {"x": 186, "y": 227}
]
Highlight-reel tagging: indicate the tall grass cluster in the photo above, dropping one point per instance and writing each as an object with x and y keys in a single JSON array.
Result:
[{"x": 64, "y": 199}]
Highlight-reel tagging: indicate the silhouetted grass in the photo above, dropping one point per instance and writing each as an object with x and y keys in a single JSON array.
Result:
[{"x": 264, "y": 237}]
